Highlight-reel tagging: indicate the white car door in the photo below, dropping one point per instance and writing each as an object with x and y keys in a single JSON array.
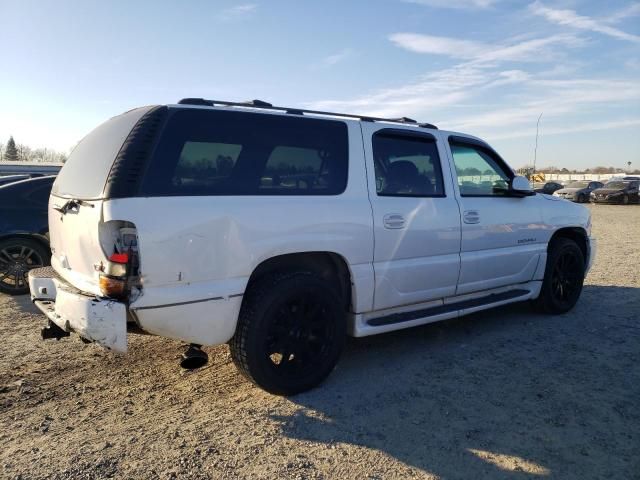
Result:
[
  {"x": 502, "y": 235},
  {"x": 416, "y": 216}
]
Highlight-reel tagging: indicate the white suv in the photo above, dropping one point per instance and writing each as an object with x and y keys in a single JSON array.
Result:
[{"x": 280, "y": 231}]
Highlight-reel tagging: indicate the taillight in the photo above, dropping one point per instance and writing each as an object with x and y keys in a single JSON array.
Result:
[
  {"x": 113, "y": 287},
  {"x": 120, "y": 272}
]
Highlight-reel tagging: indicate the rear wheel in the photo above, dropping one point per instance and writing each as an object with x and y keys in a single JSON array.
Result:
[
  {"x": 17, "y": 257},
  {"x": 563, "y": 277},
  {"x": 290, "y": 332}
]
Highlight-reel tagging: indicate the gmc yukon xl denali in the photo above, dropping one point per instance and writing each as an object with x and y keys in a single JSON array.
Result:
[{"x": 280, "y": 231}]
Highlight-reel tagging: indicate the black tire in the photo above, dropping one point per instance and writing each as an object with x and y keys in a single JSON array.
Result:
[
  {"x": 290, "y": 333},
  {"x": 18, "y": 256},
  {"x": 563, "y": 277},
  {"x": 582, "y": 198}
]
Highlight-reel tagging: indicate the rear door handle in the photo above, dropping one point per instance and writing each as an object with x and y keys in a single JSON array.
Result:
[
  {"x": 471, "y": 216},
  {"x": 393, "y": 221}
]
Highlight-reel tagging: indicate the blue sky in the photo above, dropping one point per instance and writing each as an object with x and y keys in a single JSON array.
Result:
[{"x": 485, "y": 67}]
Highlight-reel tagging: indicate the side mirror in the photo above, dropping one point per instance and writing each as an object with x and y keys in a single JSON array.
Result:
[{"x": 520, "y": 186}]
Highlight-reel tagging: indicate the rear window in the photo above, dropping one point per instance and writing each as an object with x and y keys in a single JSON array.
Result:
[
  {"x": 85, "y": 173},
  {"x": 211, "y": 152}
]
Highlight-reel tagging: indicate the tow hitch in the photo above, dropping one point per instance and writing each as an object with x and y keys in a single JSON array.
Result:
[{"x": 53, "y": 331}]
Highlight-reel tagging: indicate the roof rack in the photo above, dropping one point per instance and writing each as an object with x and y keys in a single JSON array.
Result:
[{"x": 300, "y": 111}]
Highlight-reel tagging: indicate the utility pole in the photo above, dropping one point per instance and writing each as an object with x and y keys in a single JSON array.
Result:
[{"x": 535, "y": 150}]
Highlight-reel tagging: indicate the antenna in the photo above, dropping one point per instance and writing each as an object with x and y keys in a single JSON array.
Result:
[{"x": 535, "y": 150}]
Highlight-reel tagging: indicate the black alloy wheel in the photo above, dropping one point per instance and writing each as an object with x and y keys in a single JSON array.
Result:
[
  {"x": 563, "y": 278},
  {"x": 290, "y": 332},
  {"x": 567, "y": 276},
  {"x": 17, "y": 257}
]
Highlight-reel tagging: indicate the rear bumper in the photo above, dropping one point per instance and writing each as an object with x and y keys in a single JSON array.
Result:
[{"x": 103, "y": 321}]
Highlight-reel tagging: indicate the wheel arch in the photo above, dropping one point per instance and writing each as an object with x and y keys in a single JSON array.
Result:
[
  {"x": 578, "y": 235},
  {"x": 331, "y": 266}
]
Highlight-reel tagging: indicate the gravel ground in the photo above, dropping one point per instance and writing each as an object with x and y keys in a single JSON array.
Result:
[{"x": 502, "y": 394}]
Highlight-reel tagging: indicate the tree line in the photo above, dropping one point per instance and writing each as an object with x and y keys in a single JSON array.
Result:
[{"x": 12, "y": 152}]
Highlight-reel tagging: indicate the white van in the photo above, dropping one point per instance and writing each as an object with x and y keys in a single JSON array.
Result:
[{"x": 280, "y": 231}]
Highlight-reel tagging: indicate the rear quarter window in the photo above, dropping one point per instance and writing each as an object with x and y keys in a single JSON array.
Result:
[
  {"x": 85, "y": 173},
  {"x": 214, "y": 152}
]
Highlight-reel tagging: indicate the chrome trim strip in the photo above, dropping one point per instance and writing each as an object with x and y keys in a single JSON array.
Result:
[{"x": 185, "y": 303}]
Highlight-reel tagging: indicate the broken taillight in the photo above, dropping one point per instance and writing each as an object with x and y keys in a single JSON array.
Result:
[{"x": 121, "y": 269}]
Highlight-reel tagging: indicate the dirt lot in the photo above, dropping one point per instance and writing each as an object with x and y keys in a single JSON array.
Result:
[{"x": 502, "y": 394}]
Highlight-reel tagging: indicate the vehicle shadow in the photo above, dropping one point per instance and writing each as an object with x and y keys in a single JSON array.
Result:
[
  {"x": 506, "y": 393},
  {"x": 24, "y": 303}
]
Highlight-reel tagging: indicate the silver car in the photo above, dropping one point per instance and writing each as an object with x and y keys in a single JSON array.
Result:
[{"x": 578, "y": 191}]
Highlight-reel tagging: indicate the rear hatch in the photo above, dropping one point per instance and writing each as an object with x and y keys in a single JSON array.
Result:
[{"x": 78, "y": 241}]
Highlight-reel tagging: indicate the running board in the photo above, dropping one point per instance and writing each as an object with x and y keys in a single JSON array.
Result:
[{"x": 446, "y": 308}]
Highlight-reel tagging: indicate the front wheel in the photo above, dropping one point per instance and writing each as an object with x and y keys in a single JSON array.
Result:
[
  {"x": 563, "y": 277},
  {"x": 290, "y": 332}
]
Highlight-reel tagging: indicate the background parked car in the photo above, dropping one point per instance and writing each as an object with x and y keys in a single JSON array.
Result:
[
  {"x": 24, "y": 243},
  {"x": 578, "y": 191},
  {"x": 6, "y": 179},
  {"x": 33, "y": 169},
  {"x": 548, "y": 188},
  {"x": 619, "y": 191}
]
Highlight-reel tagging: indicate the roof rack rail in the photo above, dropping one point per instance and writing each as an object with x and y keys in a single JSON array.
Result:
[{"x": 300, "y": 111}]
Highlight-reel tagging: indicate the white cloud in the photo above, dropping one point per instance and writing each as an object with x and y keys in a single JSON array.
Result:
[
  {"x": 237, "y": 12},
  {"x": 331, "y": 60},
  {"x": 631, "y": 10},
  {"x": 555, "y": 98},
  {"x": 479, "y": 52},
  {"x": 451, "y": 47},
  {"x": 575, "y": 128},
  {"x": 511, "y": 98},
  {"x": 436, "y": 90},
  {"x": 457, "y": 4},
  {"x": 570, "y": 18}
]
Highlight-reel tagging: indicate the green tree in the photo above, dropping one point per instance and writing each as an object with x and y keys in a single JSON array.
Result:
[{"x": 10, "y": 152}]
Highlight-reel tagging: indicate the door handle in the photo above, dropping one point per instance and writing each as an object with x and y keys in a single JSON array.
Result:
[
  {"x": 471, "y": 216},
  {"x": 393, "y": 221}
]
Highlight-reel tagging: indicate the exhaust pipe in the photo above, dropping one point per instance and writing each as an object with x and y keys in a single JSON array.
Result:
[
  {"x": 194, "y": 358},
  {"x": 53, "y": 331}
]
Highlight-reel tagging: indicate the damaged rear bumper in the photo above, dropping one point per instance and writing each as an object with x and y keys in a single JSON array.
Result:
[{"x": 101, "y": 320}]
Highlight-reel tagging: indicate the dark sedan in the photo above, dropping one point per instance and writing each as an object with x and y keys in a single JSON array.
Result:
[
  {"x": 549, "y": 188},
  {"x": 618, "y": 191},
  {"x": 578, "y": 191},
  {"x": 24, "y": 244},
  {"x": 7, "y": 179}
]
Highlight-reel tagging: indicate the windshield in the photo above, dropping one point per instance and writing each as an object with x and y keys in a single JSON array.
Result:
[
  {"x": 578, "y": 185},
  {"x": 616, "y": 185}
]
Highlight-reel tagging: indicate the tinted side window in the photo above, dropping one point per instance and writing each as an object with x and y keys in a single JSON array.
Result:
[
  {"x": 407, "y": 165},
  {"x": 202, "y": 164},
  {"x": 478, "y": 172},
  {"x": 215, "y": 152}
]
